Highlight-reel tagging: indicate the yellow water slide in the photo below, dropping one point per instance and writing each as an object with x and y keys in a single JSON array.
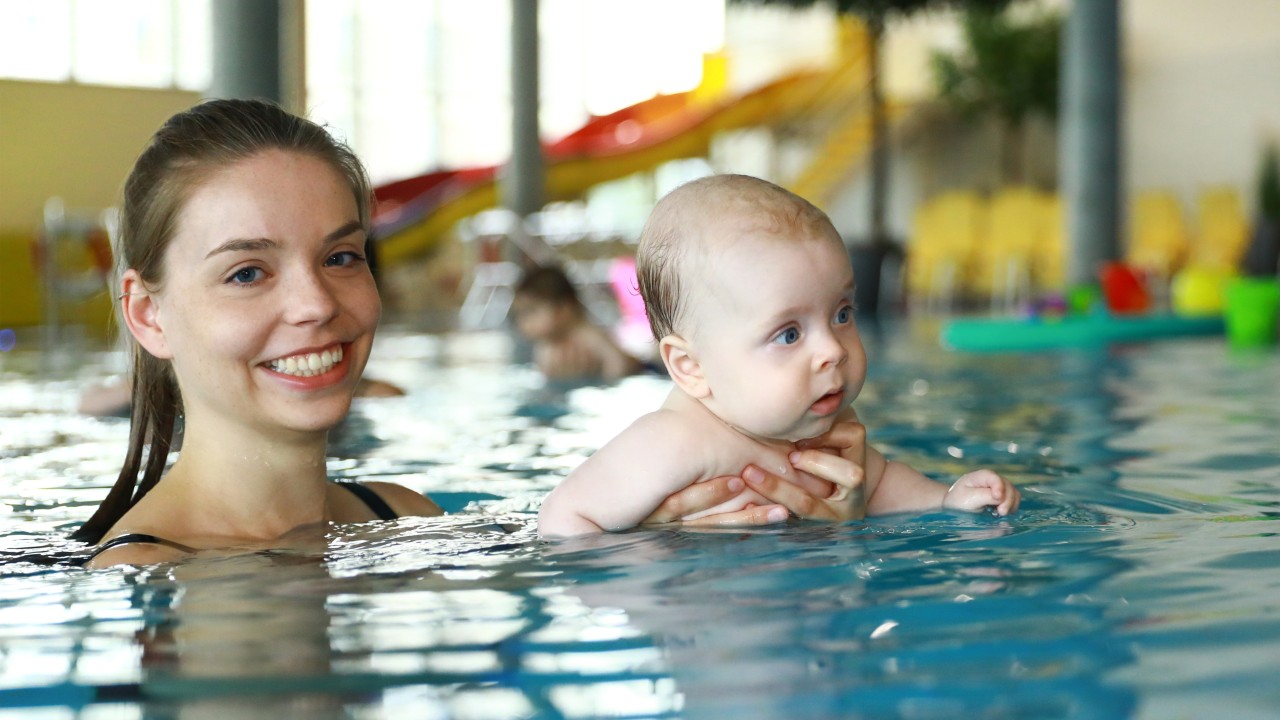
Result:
[{"x": 414, "y": 214}]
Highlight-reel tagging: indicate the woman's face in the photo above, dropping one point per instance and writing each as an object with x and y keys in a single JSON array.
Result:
[{"x": 268, "y": 308}]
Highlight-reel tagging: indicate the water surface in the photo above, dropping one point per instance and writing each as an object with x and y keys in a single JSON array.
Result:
[{"x": 1139, "y": 579}]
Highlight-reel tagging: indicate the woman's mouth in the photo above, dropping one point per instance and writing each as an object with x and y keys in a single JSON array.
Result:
[{"x": 308, "y": 364}]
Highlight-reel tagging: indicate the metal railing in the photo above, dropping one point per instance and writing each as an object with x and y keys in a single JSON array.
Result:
[{"x": 67, "y": 237}]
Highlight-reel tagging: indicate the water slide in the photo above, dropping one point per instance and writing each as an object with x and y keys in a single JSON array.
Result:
[{"x": 413, "y": 214}]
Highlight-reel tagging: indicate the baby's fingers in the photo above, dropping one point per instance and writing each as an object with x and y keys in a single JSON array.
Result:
[{"x": 1012, "y": 499}]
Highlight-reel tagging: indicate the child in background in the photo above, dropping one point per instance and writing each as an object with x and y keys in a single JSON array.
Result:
[
  {"x": 566, "y": 344},
  {"x": 749, "y": 290}
]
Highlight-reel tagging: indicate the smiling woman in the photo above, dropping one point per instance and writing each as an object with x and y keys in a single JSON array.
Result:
[{"x": 251, "y": 310}]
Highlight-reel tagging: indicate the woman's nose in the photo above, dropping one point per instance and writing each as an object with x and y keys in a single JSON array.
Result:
[{"x": 309, "y": 299}]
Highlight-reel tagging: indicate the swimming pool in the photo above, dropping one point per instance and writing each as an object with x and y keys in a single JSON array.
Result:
[{"x": 1141, "y": 578}]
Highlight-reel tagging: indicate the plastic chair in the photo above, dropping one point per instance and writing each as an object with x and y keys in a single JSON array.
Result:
[
  {"x": 1158, "y": 237},
  {"x": 1016, "y": 226},
  {"x": 1224, "y": 229},
  {"x": 1049, "y": 257},
  {"x": 940, "y": 254}
]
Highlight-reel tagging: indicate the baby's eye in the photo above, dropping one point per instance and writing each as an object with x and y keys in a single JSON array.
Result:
[
  {"x": 246, "y": 276},
  {"x": 790, "y": 336},
  {"x": 844, "y": 315},
  {"x": 344, "y": 259}
]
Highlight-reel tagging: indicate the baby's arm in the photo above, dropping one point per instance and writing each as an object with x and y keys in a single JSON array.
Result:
[
  {"x": 894, "y": 487},
  {"x": 898, "y": 487},
  {"x": 626, "y": 480}
]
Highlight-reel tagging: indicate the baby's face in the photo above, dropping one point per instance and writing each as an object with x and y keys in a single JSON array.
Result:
[{"x": 772, "y": 327}]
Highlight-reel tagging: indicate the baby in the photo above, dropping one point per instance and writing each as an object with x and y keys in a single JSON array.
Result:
[
  {"x": 749, "y": 289},
  {"x": 566, "y": 344}
]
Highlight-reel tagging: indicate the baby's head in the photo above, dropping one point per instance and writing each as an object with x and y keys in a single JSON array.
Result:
[
  {"x": 749, "y": 291},
  {"x": 545, "y": 305}
]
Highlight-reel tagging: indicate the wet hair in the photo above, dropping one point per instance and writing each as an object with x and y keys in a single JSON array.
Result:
[
  {"x": 548, "y": 283},
  {"x": 685, "y": 222},
  {"x": 188, "y": 149}
]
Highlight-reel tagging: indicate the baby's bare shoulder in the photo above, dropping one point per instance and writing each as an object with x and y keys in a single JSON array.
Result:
[
  {"x": 719, "y": 449},
  {"x": 670, "y": 428}
]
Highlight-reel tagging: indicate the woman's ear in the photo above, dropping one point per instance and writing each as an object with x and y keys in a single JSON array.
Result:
[
  {"x": 140, "y": 309},
  {"x": 682, "y": 366}
]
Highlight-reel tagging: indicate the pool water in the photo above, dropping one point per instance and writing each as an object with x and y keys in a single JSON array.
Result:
[{"x": 1141, "y": 578}]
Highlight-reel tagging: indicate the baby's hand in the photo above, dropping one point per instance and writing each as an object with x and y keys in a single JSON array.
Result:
[{"x": 981, "y": 489}]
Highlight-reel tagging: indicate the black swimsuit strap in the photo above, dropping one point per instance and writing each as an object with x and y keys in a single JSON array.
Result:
[
  {"x": 365, "y": 494},
  {"x": 370, "y": 498},
  {"x": 132, "y": 538}
]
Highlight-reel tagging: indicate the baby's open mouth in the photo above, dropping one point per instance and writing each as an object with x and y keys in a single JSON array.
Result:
[
  {"x": 308, "y": 364},
  {"x": 828, "y": 403}
]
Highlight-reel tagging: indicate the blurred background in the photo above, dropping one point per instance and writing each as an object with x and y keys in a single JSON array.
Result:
[{"x": 967, "y": 151}]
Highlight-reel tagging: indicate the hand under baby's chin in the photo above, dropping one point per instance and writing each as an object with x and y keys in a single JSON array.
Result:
[
  {"x": 775, "y": 459},
  {"x": 783, "y": 445}
]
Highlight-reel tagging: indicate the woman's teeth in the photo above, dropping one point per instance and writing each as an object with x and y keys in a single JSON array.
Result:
[{"x": 309, "y": 364}]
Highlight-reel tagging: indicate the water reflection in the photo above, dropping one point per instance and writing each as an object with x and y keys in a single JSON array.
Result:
[
  {"x": 942, "y": 615},
  {"x": 1134, "y": 582}
]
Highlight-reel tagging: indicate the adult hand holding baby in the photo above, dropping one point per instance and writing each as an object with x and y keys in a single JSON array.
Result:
[{"x": 836, "y": 457}]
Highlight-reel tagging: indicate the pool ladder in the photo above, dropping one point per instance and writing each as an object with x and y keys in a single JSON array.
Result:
[
  {"x": 67, "y": 236},
  {"x": 494, "y": 278}
]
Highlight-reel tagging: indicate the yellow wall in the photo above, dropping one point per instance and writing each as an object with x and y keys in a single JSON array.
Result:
[
  {"x": 76, "y": 141},
  {"x": 73, "y": 141}
]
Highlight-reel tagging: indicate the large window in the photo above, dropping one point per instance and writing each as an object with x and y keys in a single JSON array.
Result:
[
  {"x": 140, "y": 43},
  {"x": 422, "y": 84},
  {"x": 415, "y": 85}
]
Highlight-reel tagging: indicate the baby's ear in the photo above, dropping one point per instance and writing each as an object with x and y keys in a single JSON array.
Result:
[{"x": 682, "y": 366}]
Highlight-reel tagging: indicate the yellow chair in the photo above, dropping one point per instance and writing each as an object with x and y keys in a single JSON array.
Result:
[
  {"x": 1158, "y": 237},
  {"x": 922, "y": 250},
  {"x": 1049, "y": 258},
  {"x": 1224, "y": 229},
  {"x": 1016, "y": 227},
  {"x": 940, "y": 254}
]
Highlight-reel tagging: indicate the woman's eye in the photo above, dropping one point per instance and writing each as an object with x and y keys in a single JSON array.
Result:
[
  {"x": 790, "y": 336},
  {"x": 844, "y": 315},
  {"x": 246, "y": 276},
  {"x": 343, "y": 259}
]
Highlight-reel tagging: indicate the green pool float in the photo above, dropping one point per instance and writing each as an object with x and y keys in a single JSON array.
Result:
[{"x": 1089, "y": 330}]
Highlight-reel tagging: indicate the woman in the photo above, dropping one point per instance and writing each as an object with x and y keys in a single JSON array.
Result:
[{"x": 252, "y": 311}]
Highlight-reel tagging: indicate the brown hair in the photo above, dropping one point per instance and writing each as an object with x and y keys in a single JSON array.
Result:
[
  {"x": 683, "y": 220},
  {"x": 550, "y": 284},
  {"x": 182, "y": 154}
]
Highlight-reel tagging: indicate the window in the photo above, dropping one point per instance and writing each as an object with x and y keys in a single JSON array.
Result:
[
  {"x": 138, "y": 43},
  {"x": 415, "y": 85}
]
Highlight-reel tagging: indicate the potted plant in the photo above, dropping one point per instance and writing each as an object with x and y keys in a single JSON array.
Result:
[
  {"x": 1009, "y": 68},
  {"x": 1263, "y": 255}
]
